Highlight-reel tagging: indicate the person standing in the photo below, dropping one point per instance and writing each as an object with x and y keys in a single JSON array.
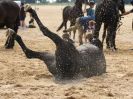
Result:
[
  {"x": 90, "y": 11},
  {"x": 80, "y": 25},
  {"x": 22, "y": 16}
]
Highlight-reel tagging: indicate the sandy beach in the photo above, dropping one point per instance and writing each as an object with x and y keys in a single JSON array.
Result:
[{"x": 22, "y": 78}]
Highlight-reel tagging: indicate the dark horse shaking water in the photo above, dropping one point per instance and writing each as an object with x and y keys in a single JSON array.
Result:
[
  {"x": 9, "y": 17},
  {"x": 68, "y": 61},
  {"x": 71, "y": 13},
  {"x": 107, "y": 12}
]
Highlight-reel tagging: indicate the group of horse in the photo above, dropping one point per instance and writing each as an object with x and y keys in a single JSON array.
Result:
[
  {"x": 107, "y": 12},
  {"x": 69, "y": 62}
]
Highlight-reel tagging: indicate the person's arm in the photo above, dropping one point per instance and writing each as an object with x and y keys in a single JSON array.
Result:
[{"x": 84, "y": 11}]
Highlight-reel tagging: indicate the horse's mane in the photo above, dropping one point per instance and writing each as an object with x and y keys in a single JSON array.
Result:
[{"x": 79, "y": 3}]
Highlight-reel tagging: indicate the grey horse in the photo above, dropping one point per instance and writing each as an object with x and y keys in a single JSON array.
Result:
[{"x": 68, "y": 62}]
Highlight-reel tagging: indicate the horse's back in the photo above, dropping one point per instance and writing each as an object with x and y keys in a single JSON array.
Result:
[
  {"x": 93, "y": 60},
  {"x": 106, "y": 10},
  {"x": 9, "y": 10}
]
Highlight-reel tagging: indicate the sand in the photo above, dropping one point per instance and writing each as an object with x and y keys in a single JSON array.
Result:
[{"x": 22, "y": 78}]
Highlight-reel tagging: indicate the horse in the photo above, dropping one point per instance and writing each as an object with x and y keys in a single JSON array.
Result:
[
  {"x": 105, "y": 29},
  {"x": 71, "y": 13},
  {"x": 68, "y": 62},
  {"x": 9, "y": 17},
  {"x": 107, "y": 12}
]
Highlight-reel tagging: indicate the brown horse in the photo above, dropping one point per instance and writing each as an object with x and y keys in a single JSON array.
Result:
[
  {"x": 71, "y": 13},
  {"x": 9, "y": 17}
]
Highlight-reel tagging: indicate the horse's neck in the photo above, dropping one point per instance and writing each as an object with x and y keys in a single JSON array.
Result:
[
  {"x": 78, "y": 3},
  {"x": 104, "y": 1}
]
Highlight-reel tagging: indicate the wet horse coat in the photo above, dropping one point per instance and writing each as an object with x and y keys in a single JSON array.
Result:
[
  {"x": 107, "y": 12},
  {"x": 68, "y": 61}
]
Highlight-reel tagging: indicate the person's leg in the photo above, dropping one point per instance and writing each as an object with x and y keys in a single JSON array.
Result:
[
  {"x": 21, "y": 23},
  {"x": 85, "y": 38},
  {"x": 72, "y": 28},
  {"x": 81, "y": 32}
]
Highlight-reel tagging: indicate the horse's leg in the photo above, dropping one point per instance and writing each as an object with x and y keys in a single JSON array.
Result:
[
  {"x": 48, "y": 58},
  {"x": 113, "y": 35},
  {"x": 74, "y": 31},
  {"x": 81, "y": 32},
  {"x": 70, "y": 26},
  {"x": 97, "y": 29},
  {"x": 65, "y": 24},
  {"x": 10, "y": 40},
  {"x": 104, "y": 32},
  {"x": 108, "y": 38}
]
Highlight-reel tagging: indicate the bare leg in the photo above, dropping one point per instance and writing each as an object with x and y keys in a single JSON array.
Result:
[
  {"x": 85, "y": 38},
  {"x": 81, "y": 32}
]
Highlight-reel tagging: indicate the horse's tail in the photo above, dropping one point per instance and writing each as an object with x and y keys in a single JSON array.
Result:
[
  {"x": 59, "y": 28},
  {"x": 63, "y": 22},
  {"x": 65, "y": 16}
]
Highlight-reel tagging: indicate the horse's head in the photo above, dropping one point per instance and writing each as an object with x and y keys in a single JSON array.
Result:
[
  {"x": 121, "y": 5},
  {"x": 80, "y": 2}
]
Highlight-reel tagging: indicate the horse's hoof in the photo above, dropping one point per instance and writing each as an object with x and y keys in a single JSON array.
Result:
[
  {"x": 113, "y": 49},
  {"x": 116, "y": 48},
  {"x": 8, "y": 47}
]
